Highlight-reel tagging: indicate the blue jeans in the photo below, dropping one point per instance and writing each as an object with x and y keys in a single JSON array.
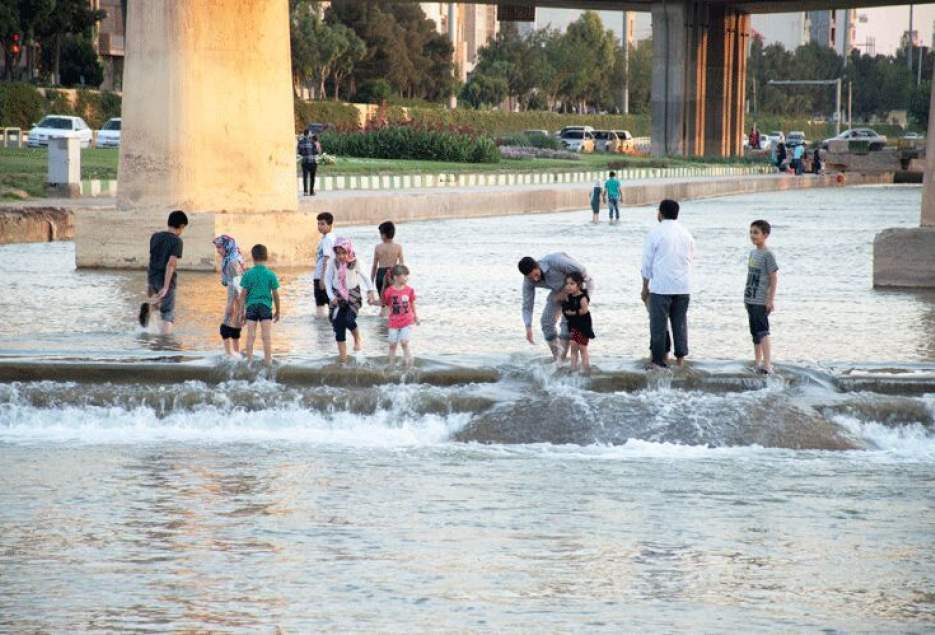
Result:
[{"x": 613, "y": 207}]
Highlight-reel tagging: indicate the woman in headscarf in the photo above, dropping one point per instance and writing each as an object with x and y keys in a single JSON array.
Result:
[
  {"x": 343, "y": 283},
  {"x": 231, "y": 271},
  {"x": 596, "y": 190}
]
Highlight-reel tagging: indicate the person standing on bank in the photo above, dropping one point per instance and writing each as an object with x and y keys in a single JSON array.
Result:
[
  {"x": 549, "y": 272},
  {"x": 308, "y": 149},
  {"x": 668, "y": 254}
]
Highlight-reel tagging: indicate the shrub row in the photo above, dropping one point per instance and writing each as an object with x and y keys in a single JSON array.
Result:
[
  {"x": 521, "y": 140},
  {"x": 342, "y": 115},
  {"x": 412, "y": 142},
  {"x": 495, "y": 122},
  {"x": 23, "y": 104}
]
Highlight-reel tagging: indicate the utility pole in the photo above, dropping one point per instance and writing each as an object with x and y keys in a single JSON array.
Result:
[
  {"x": 850, "y": 121},
  {"x": 909, "y": 41},
  {"x": 453, "y": 36},
  {"x": 626, "y": 63}
]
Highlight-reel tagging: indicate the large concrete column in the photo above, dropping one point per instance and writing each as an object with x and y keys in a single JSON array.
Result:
[
  {"x": 208, "y": 127},
  {"x": 906, "y": 257},
  {"x": 678, "y": 81},
  {"x": 729, "y": 31}
]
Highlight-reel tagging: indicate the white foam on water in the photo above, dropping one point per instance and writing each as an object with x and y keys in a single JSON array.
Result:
[
  {"x": 98, "y": 425},
  {"x": 913, "y": 442}
]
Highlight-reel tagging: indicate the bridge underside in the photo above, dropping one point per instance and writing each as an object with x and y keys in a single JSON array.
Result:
[{"x": 750, "y": 6}]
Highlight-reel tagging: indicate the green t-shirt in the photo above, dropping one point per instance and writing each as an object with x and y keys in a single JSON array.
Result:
[
  {"x": 259, "y": 283},
  {"x": 612, "y": 185}
]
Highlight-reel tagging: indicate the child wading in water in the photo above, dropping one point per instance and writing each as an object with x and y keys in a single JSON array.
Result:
[
  {"x": 386, "y": 256},
  {"x": 576, "y": 309},
  {"x": 759, "y": 293},
  {"x": 596, "y": 192},
  {"x": 400, "y": 299},
  {"x": 343, "y": 282},
  {"x": 231, "y": 271},
  {"x": 259, "y": 292}
]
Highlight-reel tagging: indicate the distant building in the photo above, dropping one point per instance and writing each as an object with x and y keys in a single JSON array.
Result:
[
  {"x": 792, "y": 30},
  {"x": 109, "y": 41},
  {"x": 835, "y": 28},
  {"x": 475, "y": 24}
]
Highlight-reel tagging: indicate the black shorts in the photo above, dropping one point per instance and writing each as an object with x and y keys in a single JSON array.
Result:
[
  {"x": 759, "y": 321},
  {"x": 344, "y": 319},
  {"x": 259, "y": 312},
  {"x": 321, "y": 297},
  {"x": 382, "y": 280},
  {"x": 229, "y": 333}
]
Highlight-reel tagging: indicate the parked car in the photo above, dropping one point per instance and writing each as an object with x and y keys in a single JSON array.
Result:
[
  {"x": 606, "y": 141},
  {"x": 536, "y": 133},
  {"x": 876, "y": 141},
  {"x": 109, "y": 134},
  {"x": 578, "y": 140},
  {"x": 796, "y": 138},
  {"x": 318, "y": 128},
  {"x": 56, "y": 127},
  {"x": 775, "y": 137},
  {"x": 913, "y": 136},
  {"x": 626, "y": 141},
  {"x": 561, "y": 133}
]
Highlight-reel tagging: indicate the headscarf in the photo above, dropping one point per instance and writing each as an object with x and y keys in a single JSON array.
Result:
[
  {"x": 348, "y": 247},
  {"x": 231, "y": 257},
  {"x": 598, "y": 184}
]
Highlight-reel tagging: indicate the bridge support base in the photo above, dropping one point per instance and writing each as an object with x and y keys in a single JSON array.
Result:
[{"x": 208, "y": 128}]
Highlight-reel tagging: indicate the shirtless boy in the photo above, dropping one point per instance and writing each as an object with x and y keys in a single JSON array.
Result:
[{"x": 387, "y": 255}]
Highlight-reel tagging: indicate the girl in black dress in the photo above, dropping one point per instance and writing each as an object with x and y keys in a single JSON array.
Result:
[{"x": 577, "y": 312}]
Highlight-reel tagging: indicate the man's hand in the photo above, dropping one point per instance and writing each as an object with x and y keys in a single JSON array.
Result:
[
  {"x": 644, "y": 295},
  {"x": 529, "y": 335}
]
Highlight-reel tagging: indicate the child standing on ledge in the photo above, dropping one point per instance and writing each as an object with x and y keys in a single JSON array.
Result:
[
  {"x": 577, "y": 311},
  {"x": 231, "y": 272},
  {"x": 386, "y": 256},
  {"x": 343, "y": 283},
  {"x": 760, "y": 293},
  {"x": 259, "y": 292},
  {"x": 400, "y": 299}
]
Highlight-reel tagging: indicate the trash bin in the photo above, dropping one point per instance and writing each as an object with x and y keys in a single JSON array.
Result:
[{"x": 64, "y": 177}]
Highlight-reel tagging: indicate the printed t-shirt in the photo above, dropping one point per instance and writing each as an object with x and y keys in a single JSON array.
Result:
[
  {"x": 760, "y": 264},
  {"x": 400, "y": 302}
]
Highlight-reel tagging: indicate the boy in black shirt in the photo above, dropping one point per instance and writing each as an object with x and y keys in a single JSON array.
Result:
[{"x": 165, "y": 249}]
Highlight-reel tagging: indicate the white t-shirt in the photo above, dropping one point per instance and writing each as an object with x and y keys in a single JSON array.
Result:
[
  {"x": 668, "y": 253},
  {"x": 325, "y": 250}
]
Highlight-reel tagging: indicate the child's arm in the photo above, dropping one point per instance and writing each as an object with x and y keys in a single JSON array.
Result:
[
  {"x": 276, "y": 304},
  {"x": 400, "y": 257},
  {"x": 584, "y": 307},
  {"x": 170, "y": 271},
  {"x": 771, "y": 296},
  {"x": 373, "y": 267},
  {"x": 242, "y": 299},
  {"x": 415, "y": 316}
]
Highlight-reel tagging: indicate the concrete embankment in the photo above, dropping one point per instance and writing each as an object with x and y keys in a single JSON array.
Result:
[
  {"x": 373, "y": 207},
  {"x": 31, "y": 222}
]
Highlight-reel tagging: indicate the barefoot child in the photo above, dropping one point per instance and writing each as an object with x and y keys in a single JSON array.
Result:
[
  {"x": 386, "y": 256},
  {"x": 400, "y": 299},
  {"x": 231, "y": 271},
  {"x": 323, "y": 254},
  {"x": 576, "y": 309},
  {"x": 259, "y": 292},
  {"x": 343, "y": 282},
  {"x": 760, "y": 293},
  {"x": 165, "y": 251}
]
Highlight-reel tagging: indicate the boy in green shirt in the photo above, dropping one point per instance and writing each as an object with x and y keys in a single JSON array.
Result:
[
  {"x": 612, "y": 196},
  {"x": 259, "y": 292}
]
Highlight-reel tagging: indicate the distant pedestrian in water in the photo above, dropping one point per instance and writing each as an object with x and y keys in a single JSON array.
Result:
[
  {"x": 260, "y": 294},
  {"x": 165, "y": 251},
  {"x": 549, "y": 272},
  {"x": 308, "y": 149},
  {"x": 386, "y": 255},
  {"x": 596, "y": 192},
  {"x": 798, "y": 153},
  {"x": 612, "y": 194},
  {"x": 400, "y": 299},
  {"x": 668, "y": 254},
  {"x": 577, "y": 311},
  {"x": 231, "y": 272},
  {"x": 816, "y": 161},
  {"x": 759, "y": 294},
  {"x": 345, "y": 283},
  {"x": 781, "y": 156}
]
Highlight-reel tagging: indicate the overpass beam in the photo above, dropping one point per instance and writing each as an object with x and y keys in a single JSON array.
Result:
[{"x": 208, "y": 127}]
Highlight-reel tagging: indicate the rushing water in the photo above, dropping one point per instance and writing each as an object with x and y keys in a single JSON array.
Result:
[{"x": 486, "y": 492}]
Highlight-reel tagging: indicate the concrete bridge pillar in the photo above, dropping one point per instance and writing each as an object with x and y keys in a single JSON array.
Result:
[
  {"x": 906, "y": 257},
  {"x": 699, "y": 79},
  {"x": 208, "y": 127}
]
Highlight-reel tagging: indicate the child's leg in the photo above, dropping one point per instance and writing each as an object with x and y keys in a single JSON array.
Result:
[
  {"x": 392, "y": 356},
  {"x": 266, "y": 330},
  {"x": 766, "y": 353},
  {"x": 251, "y": 336},
  {"x": 574, "y": 355},
  {"x": 757, "y": 354},
  {"x": 407, "y": 357},
  {"x": 235, "y": 344},
  {"x": 342, "y": 351},
  {"x": 227, "y": 345},
  {"x": 358, "y": 339},
  {"x": 585, "y": 359}
]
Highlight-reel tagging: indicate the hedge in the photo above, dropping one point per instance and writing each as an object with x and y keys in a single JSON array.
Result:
[
  {"x": 22, "y": 105},
  {"x": 499, "y": 123},
  {"x": 344, "y": 116},
  {"x": 412, "y": 142}
]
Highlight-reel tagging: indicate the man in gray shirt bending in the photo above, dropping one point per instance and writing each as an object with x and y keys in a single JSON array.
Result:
[{"x": 549, "y": 273}]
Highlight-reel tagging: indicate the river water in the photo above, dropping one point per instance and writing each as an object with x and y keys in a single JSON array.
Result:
[{"x": 525, "y": 499}]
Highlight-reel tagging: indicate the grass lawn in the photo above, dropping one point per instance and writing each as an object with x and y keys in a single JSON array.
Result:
[{"x": 26, "y": 168}]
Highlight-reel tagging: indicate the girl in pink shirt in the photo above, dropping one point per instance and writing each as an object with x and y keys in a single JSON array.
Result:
[{"x": 400, "y": 299}]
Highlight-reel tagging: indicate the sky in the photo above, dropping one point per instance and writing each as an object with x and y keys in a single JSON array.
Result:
[{"x": 886, "y": 24}]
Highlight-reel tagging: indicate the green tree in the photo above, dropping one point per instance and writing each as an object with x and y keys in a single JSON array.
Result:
[
  {"x": 65, "y": 18},
  {"x": 485, "y": 90},
  {"x": 80, "y": 65}
]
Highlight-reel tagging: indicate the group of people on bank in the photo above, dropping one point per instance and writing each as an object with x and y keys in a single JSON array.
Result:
[{"x": 340, "y": 287}]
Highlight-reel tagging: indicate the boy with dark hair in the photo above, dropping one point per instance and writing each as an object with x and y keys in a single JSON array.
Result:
[
  {"x": 612, "y": 195},
  {"x": 165, "y": 250},
  {"x": 760, "y": 293},
  {"x": 259, "y": 292},
  {"x": 323, "y": 253},
  {"x": 386, "y": 255}
]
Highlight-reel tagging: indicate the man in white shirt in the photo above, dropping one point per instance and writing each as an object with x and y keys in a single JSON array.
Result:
[{"x": 668, "y": 254}]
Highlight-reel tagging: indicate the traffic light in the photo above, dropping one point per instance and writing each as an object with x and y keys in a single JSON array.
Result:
[{"x": 15, "y": 46}]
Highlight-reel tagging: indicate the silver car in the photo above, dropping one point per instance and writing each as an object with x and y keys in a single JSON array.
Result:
[{"x": 876, "y": 141}]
